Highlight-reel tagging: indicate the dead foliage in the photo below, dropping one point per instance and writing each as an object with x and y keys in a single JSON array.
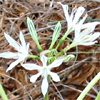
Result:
[{"x": 75, "y": 75}]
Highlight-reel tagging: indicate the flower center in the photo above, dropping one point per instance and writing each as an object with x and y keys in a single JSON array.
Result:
[{"x": 45, "y": 72}]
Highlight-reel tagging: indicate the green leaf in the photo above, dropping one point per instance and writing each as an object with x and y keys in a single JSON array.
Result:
[
  {"x": 56, "y": 34},
  {"x": 33, "y": 33},
  {"x": 2, "y": 93}
]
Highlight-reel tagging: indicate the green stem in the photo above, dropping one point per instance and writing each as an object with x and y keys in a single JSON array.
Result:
[
  {"x": 2, "y": 93},
  {"x": 46, "y": 97},
  {"x": 65, "y": 50},
  {"x": 39, "y": 47},
  {"x": 89, "y": 86},
  {"x": 64, "y": 37},
  {"x": 51, "y": 46},
  {"x": 33, "y": 56}
]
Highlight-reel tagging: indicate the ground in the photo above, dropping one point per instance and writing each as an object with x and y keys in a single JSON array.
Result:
[{"x": 75, "y": 74}]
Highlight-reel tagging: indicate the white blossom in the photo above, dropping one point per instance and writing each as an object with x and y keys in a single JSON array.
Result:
[
  {"x": 22, "y": 49},
  {"x": 44, "y": 71},
  {"x": 86, "y": 36},
  {"x": 74, "y": 18}
]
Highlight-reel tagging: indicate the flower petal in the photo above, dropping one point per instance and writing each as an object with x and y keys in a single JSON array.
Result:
[
  {"x": 12, "y": 42},
  {"x": 12, "y": 65},
  {"x": 88, "y": 43},
  {"x": 87, "y": 31},
  {"x": 44, "y": 86},
  {"x": 22, "y": 40},
  {"x": 91, "y": 24},
  {"x": 9, "y": 55},
  {"x": 79, "y": 26},
  {"x": 77, "y": 33},
  {"x": 78, "y": 14},
  {"x": 30, "y": 66},
  {"x": 33, "y": 78},
  {"x": 55, "y": 63},
  {"x": 27, "y": 48},
  {"x": 65, "y": 8},
  {"x": 94, "y": 36},
  {"x": 54, "y": 76},
  {"x": 44, "y": 60}
]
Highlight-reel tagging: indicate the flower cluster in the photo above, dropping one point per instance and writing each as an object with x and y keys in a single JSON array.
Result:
[
  {"x": 83, "y": 32},
  {"x": 83, "y": 36}
]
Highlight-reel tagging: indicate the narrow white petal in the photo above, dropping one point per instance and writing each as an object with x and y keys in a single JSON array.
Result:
[
  {"x": 78, "y": 14},
  {"x": 80, "y": 23},
  {"x": 77, "y": 32},
  {"x": 44, "y": 86},
  {"x": 88, "y": 43},
  {"x": 94, "y": 36},
  {"x": 30, "y": 66},
  {"x": 54, "y": 76},
  {"x": 70, "y": 21},
  {"x": 33, "y": 78},
  {"x": 65, "y": 8},
  {"x": 28, "y": 47},
  {"x": 12, "y": 41},
  {"x": 91, "y": 24},
  {"x": 13, "y": 64},
  {"x": 22, "y": 40},
  {"x": 71, "y": 17},
  {"x": 87, "y": 31},
  {"x": 9, "y": 55},
  {"x": 44, "y": 60},
  {"x": 78, "y": 27},
  {"x": 55, "y": 63},
  {"x": 89, "y": 39}
]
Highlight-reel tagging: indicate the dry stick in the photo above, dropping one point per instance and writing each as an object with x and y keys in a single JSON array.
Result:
[
  {"x": 68, "y": 70},
  {"x": 67, "y": 86},
  {"x": 57, "y": 91}
]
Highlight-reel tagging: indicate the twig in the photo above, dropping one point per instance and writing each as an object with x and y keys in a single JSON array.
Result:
[{"x": 68, "y": 70}]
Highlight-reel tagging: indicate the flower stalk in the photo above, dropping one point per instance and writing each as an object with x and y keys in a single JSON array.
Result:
[
  {"x": 33, "y": 56},
  {"x": 64, "y": 37},
  {"x": 46, "y": 96},
  {"x": 65, "y": 50}
]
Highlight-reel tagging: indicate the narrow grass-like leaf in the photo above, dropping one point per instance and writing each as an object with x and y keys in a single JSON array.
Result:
[
  {"x": 56, "y": 34},
  {"x": 2, "y": 93},
  {"x": 33, "y": 33},
  {"x": 98, "y": 96},
  {"x": 88, "y": 87}
]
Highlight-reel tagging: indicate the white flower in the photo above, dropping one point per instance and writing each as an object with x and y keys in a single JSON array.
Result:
[
  {"x": 22, "y": 53},
  {"x": 44, "y": 71},
  {"x": 86, "y": 37},
  {"x": 74, "y": 18}
]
